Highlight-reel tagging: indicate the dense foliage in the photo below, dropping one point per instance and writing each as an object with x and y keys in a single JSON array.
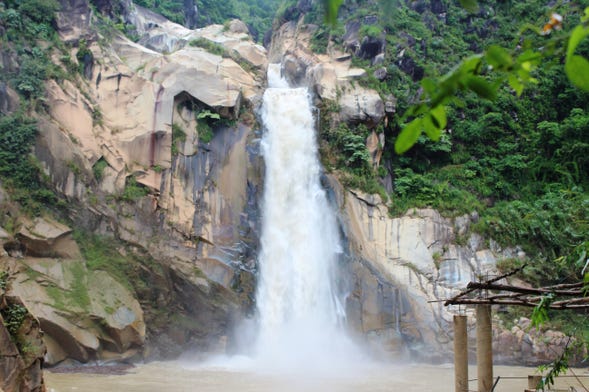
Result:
[
  {"x": 516, "y": 155},
  {"x": 28, "y": 37}
]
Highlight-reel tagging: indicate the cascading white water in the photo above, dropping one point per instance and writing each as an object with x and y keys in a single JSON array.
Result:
[{"x": 299, "y": 311}]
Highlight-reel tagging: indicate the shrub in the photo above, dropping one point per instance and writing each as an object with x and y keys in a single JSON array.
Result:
[
  {"x": 178, "y": 136},
  {"x": 98, "y": 168},
  {"x": 40, "y": 11},
  {"x": 133, "y": 190},
  {"x": 209, "y": 46}
]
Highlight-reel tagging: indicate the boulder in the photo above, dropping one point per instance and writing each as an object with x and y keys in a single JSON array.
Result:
[
  {"x": 359, "y": 104},
  {"x": 380, "y": 73},
  {"x": 236, "y": 26},
  {"x": 85, "y": 311},
  {"x": 44, "y": 237}
]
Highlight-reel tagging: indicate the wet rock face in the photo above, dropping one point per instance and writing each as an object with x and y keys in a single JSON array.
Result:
[
  {"x": 9, "y": 100},
  {"x": 73, "y": 19},
  {"x": 403, "y": 264}
]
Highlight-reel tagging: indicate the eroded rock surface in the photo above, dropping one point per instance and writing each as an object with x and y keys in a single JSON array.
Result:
[{"x": 403, "y": 268}]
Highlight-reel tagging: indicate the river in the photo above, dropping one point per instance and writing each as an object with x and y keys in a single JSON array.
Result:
[{"x": 185, "y": 377}]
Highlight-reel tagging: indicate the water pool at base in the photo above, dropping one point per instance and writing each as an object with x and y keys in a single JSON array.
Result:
[{"x": 185, "y": 377}]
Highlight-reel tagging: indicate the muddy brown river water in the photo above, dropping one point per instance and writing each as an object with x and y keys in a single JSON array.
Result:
[{"x": 186, "y": 377}]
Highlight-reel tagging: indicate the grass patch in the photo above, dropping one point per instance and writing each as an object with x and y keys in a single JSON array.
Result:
[
  {"x": 209, "y": 46},
  {"x": 133, "y": 190},
  {"x": 79, "y": 288},
  {"x": 101, "y": 254}
]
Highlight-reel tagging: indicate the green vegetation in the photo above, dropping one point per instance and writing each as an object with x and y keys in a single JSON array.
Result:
[
  {"x": 3, "y": 280},
  {"x": 205, "y": 121},
  {"x": 78, "y": 290},
  {"x": 101, "y": 254},
  {"x": 509, "y": 151},
  {"x": 98, "y": 169},
  {"x": 178, "y": 136},
  {"x": 19, "y": 170},
  {"x": 110, "y": 255},
  {"x": 13, "y": 316},
  {"x": 209, "y": 46},
  {"x": 133, "y": 190}
]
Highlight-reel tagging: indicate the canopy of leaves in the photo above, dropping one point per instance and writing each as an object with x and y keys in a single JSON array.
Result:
[{"x": 506, "y": 123}]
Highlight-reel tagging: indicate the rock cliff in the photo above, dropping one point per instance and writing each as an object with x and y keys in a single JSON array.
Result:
[{"x": 185, "y": 240}]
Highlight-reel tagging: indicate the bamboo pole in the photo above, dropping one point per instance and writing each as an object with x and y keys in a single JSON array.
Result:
[
  {"x": 460, "y": 354},
  {"x": 484, "y": 348}
]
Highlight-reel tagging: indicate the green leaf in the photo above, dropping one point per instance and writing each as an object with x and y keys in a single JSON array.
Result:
[
  {"x": 498, "y": 57},
  {"x": 577, "y": 70},
  {"x": 408, "y": 136},
  {"x": 577, "y": 36},
  {"x": 331, "y": 9},
  {"x": 208, "y": 114},
  {"x": 471, "y": 6},
  {"x": 429, "y": 86},
  {"x": 438, "y": 115},
  {"x": 471, "y": 65},
  {"x": 481, "y": 87},
  {"x": 516, "y": 84},
  {"x": 540, "y": 312},
  {"x": 431, "y": 129}
]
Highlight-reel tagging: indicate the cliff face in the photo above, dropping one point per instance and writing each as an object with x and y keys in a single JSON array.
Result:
[{"x": 185, "y": 243}]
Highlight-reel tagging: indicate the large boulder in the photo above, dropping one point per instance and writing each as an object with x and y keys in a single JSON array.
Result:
[
  {"x": 361, "y": 105},
  {"x": 90, "y": 314},
  {"x": 44, "y": 237}
]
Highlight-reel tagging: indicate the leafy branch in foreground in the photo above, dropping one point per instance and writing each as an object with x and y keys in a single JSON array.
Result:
[
  {"x": 558, "y": 366},
  {"x": 474, "y": 74}
]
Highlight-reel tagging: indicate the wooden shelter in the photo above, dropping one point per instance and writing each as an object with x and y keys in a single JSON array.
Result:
[{"x": 483, "y": 295}]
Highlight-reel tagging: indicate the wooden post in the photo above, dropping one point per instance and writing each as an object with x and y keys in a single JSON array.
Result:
[
  {"x": 460, "y": 354},
  {"x": 533, "y": 382},
  {"x": 484, "y": 348}
]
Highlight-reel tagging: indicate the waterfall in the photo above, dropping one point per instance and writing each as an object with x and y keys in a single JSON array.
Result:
[{"x": 299, "y": 311}]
